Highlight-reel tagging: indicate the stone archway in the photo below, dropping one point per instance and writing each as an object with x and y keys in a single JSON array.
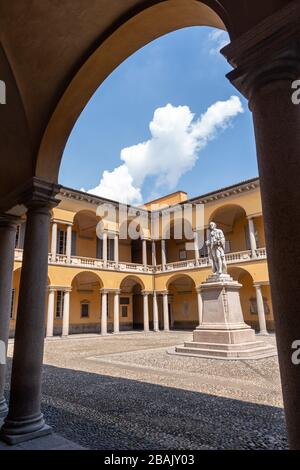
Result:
[
  {"x": 182, "y": 303},
  {"x": 131, "y": 304},
  {"x": 85, "y": 304}
]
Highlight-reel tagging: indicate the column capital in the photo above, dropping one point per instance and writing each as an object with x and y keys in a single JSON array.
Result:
[
  {"x": 162, "y": 292},
  {"x": 52, "y": 288},
  {"x": 267, "y": 53},
  {"x": 146, "y": 292},
  {"x": 38, "y": 193},
  {"x": 9, "y": 221}
]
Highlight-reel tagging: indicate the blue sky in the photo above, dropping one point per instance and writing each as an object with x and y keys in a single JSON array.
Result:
[{"x": 183, "y": 69}]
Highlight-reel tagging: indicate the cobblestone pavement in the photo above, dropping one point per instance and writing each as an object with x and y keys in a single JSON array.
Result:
[{"x": 126, "y": 392}]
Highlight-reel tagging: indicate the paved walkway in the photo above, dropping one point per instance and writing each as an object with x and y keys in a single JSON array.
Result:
[{"x": 126, "y": 392}]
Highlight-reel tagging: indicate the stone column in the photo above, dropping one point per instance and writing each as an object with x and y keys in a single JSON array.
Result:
[
  {"x": 116, "y": 249},
  {"x": 54, "y": 242},
  {"x": 69, "y": 243},
  {"x": 146, "y": 310},
  {"x": 155, "y": 312},
  {"x": 116, "y": 311},
  {"x": 25, "y": 420},
  {"x": 104, "y": 312},
  {"x": 66, "y": 312},
  {"x": 260, "y": 310},
  {"x": 266, "y": 77},
  {"x": 51, "y": 307},
  {"x": 166, "y": 311},
  {"x": 8, "y": 229},
  {"x": 144, "y": 242},
  {"x": 153, "y": 245},
  {"x": 200, "y": 305},
  {"x": 196, "y": 247},
  {"x": 252, "y": 237},
  {"x": 104, "y": 248},
  {"x": 163, "y": 255}
]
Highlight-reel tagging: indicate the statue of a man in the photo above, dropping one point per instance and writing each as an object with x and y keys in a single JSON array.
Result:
[{"x": 216, "y": 249}]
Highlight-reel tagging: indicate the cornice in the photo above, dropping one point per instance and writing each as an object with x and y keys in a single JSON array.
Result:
[{"x": 227, "y": 192}]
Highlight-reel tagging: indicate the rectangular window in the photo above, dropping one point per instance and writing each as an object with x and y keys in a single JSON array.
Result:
[
  {"x": 61, "y": 242},
  {"x": 182, "y": 255},
  {"x": 99, "y": 248},
  {"x": 85, "y": 310},
  {"x": 59, "y": 304},
  {"x": 124, "y": 311},
  {"x": 13, "y": 292},
  {"x": 74, "y": 241},
  {"x": 124, "y": 301},
  {"x": 110, "y": 249}
]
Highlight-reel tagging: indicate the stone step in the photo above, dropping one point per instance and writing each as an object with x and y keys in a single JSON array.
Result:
[
  {"x": 226, "y": 346},
  {"x": 258, "y": 353}
]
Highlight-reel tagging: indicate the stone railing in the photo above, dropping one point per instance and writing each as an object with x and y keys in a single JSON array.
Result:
[{"x": 92, "y": 263}]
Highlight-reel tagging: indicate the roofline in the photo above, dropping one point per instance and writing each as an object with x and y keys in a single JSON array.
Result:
[
  {"x": 226, "y": 188},
  {"x": 93, "y": 198}
]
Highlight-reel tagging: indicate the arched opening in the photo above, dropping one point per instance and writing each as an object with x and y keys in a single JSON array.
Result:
[
  {"x": 131, "y": 304},
  {"x": 137, "y": 31},
  {"x": 249, "y": 301},
  {"x": 232, "y": 220},
  {"x": 131, "y": 240},
  {"x": 179, "y": 240},
  {"x": 85, "y": 304},
  {"x": 85, "y": 242},
  {"x": 182, "y": 303}
]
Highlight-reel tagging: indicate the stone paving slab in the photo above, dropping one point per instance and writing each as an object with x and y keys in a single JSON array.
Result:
[{"x": 125, "y": 392}]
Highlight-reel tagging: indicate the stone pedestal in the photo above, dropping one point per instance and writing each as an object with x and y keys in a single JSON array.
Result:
[{"x": 223, "y": 334}]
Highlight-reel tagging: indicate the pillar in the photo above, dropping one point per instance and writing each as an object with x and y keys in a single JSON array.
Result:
[
  {"x": 196, "y": 247},
  {"x": 69, "y": 243},
  {"x": 200, "y": 305},
  {"x": 66, "y": 312},
  {"x": 104, "y": 248},
  {"x": 25, "y": 420},
  {"x": 144, "y": 243},
  {"x": 252, "y": 238},
  {"x": 104, "y": 312},
  {"x": 117, "y": 312},
  {"x": 166, "y": 311},
  {"x": 51, "y": 307},
  {"x": 153, "y": 246},
  {"x": 146, "y": 311},
  {"x": 116, "y": 249},
  {"x": 155, "y": 313},
  {"x": 163, "y": 255},
  {"x": 266, "y": 79},
  {"x": 261, "y": 310},
  {"x": 54, "y": 242},
  {"x": 8, "y": 229}
]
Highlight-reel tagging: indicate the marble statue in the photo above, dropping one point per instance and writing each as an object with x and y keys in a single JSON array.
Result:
[{"x": 216, "y": 249}]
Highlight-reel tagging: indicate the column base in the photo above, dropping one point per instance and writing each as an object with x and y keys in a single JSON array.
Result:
[
  {"x": 262, "y": 333},
  {"x": 15, "y": 432},
  {"x": 3, "y": 408}
]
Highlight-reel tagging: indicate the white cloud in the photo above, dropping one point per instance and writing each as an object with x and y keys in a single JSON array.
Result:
[
  {"x": 118, "y": 185},
  {"x": 176, "y": 140},
  {"x": 218, "y": 39}
]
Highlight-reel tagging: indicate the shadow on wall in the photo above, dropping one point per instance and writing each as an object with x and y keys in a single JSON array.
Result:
[{"x": 103, "y": 412}]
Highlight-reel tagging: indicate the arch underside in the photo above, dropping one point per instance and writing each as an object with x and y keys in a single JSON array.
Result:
[{"x": 57, "y": 58}]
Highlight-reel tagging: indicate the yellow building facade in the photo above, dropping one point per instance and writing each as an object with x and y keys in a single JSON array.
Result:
[{"x": 100, "y": 281}]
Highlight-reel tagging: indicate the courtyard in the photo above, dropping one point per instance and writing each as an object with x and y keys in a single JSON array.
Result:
[{"x": 126, "y": 392}]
